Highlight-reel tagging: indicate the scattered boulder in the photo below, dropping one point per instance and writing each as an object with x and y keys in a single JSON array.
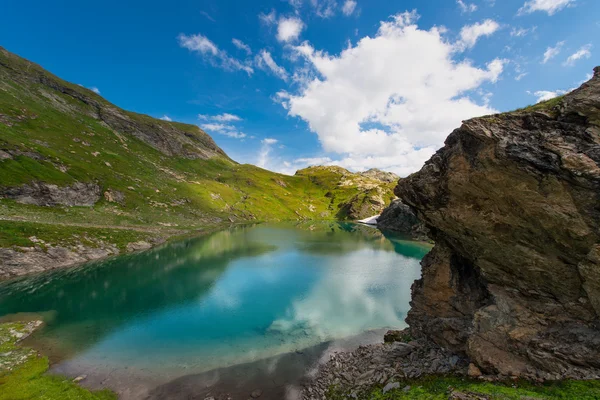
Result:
[
  {"x": 474, "y": 371},
  {"x": 390, "y": 386},
  {"x": 114, "y": 196},
  {"x": 138, "y": 246}
]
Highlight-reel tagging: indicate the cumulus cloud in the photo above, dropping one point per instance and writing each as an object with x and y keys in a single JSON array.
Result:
[
  {"x": 390, "y": 100},
  {"x": 466, "y": 7},
  {"x": 543, "y": 95},
  {"x": 264, "y": 60},
  {"x": 265, "y": 150},
  {"x": 221, "y": 124},
  {"x": 583, "y": 53},
  {"x": 289, "y": 29},
  {"x": 469, "y": 34},
  {"x": 552, "y": 52},
  {"x": 166, "y": 118},
  {"x": 241, "y": 45},
  {"x": 548, "y": 6},
  {"x": 95, "y": 89},
  {"x": 203, "y": 46},
  {"x": 348, "y": 7}
]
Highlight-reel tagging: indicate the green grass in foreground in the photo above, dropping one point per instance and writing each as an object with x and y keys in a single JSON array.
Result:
[
  {"x": 434, "y": 388},
  {"x": 27, "y": 378}
]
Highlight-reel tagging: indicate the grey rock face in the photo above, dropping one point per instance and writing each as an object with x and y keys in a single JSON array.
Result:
[
  {"x": 22, "y": 261},
  {"x": 45, "y": 194},
  {"x": 512, "y": 204},
  {"x": 380, "y": 175},
  {"x": 398, "y": 217}
]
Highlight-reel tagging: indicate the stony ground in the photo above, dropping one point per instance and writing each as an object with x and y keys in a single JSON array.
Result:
[{"x": 386, "y": 364}]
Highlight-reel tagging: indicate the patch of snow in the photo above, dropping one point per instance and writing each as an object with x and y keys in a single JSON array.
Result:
[{"x": 370, "y": 220}]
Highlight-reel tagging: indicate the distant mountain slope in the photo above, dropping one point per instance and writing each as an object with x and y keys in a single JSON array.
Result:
[{"x": 80, "y": 173}]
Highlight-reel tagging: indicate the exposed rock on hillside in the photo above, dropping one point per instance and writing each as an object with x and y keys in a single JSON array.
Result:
[
  {"x": 171, "y": 138},
  {"x": 398, "y": 217},
  {"x": 513, "y": 204},
  {"x": 372, "y": 189},
  {"x": 380, "y": 175},
  {"x": 44, "y": 194}
]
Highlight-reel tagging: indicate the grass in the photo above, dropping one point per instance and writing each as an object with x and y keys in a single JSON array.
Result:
[
  {"x": 439, "y": 388},
  {"x": 16, "y": 233},
  {"x": 547, "y": 105},
  {"x": 23, "y": 374}
]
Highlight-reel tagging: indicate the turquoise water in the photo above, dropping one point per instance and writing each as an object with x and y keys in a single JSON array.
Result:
[{"x": 234, "y": 296}]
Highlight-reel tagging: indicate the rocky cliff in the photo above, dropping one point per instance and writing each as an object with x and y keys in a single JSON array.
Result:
[{"x": 512, "y": 202}]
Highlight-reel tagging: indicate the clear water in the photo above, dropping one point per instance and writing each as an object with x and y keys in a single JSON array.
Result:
[{"x": 234, "y": 296}]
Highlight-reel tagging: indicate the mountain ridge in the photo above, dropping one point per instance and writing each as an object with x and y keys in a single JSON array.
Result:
[{"x": 83, "y": 178}]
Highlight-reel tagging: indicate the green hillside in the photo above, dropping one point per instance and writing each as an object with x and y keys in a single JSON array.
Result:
[{"x": 76, "y": 169}]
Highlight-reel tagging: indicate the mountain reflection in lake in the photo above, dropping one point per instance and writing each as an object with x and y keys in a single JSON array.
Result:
[{"x": 232, "y": 297}]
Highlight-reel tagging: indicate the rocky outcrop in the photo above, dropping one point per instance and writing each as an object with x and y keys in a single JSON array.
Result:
[
  {"x": 399, "y": 217},
  {"x": 27, "y": 260},
  {"x": 380, "y": 175},
  {"x": 45, "y": 194},
  {"x": 512, "y": 202},
  {"x": 363, "y": 205}
]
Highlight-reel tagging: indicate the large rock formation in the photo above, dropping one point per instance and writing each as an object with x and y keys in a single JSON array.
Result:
[{"x": 513, "y": 204}]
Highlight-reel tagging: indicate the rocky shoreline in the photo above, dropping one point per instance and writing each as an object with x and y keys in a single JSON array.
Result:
[
  {"x": 19, "y": 261},
  {"x": 385, "y": 364}
]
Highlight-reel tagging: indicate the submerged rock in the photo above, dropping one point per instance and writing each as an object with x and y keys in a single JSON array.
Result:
[{"x": 512, "y": 202}]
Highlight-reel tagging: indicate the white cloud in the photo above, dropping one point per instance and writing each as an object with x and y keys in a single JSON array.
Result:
[
  {"x": 265, "y": 150},
  {"x": 218, "y": 124},
  {"x": 466, "y": 7},
  {"x": 552, "y": 52},
  {"x": 324, "y": 8},
  {"x": 469, "y": 34},
  {"x": 226, "y": 117},
  {"x": 241, "y": 45},
  {"x": 520, "y": 76},
  {"x": 268, "y": 19},
  {"x": 289, "y": 29},
  {"x": 200, "y": 44},
  {"x": 223, "y": 129},
  {"x": 95, "y": 89},
  {"x": 549, "y": 6},
  {"x": 264, "y": 60},
  {"x": 348, "y": 7},
  {"x": 520, "y": 32},
  {"x": 390, "y": 100},
  {"x": 543, "y": 95},
  {"x": 166, "y": 118},
  {"x": 583, "y": 52}
]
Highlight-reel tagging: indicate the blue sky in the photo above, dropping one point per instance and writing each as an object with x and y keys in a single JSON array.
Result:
[{"x": 357, "y": 83}]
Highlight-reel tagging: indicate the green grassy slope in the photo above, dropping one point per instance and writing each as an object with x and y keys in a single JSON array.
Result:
[{"x": 173, "y": 177}]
